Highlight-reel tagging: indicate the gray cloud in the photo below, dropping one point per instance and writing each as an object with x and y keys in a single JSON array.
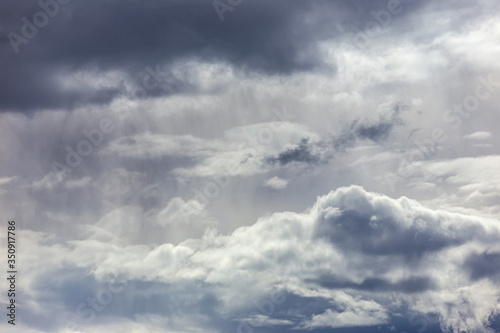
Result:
[
  {"x": 410, "y": 285},
  {"x": 300, "y": 154},
  {"x": 127, "y": 37},
  {"x": 483, "y": 265},
  {"x": 317, "y": 152},
  {"x": 271, "y": 38},
  {"x": 356, "y": 230}
]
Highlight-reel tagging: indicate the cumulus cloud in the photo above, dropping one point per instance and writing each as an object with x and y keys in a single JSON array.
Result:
[{"x": 363, "y": 256}]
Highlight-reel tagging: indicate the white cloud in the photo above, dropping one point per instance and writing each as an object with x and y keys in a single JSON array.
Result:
[
  {"x": 276, "y": 183},
  {"x": 374, "y": 315},
  {"x": 6, "y": 180},
  {"x": 478, "y": 136},
  {"x": 471, "y": 183},
  {"x": 263, "y": 321}
]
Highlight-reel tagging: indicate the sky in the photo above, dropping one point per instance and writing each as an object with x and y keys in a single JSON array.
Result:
[{"x": 251, "y": 165}]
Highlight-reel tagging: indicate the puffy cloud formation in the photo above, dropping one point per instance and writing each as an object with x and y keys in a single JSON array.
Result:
[
  {"x": 276, "y": 183},
  {"x": 354, "y": 259},
  {"x": 478, "y": 136}
]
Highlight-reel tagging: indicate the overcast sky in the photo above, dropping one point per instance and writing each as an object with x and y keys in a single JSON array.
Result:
[{"x": 252, "y": 165}]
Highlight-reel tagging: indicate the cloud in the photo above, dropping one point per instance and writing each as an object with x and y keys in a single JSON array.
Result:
[
  {"x": 411, "y": 285},
  {"x": 378, "y": 247},
  {"x": 153, "y": 146},
  {"x": 478, "y": 136},
  {"x": 483, "y": 265},
  {"x": 6, "y": 180},
  {"x": 483, "y": 145},
  {"x": 300, "y": 154},
  {"x": 262, "y": 321},
  {"x": 280, "y": 94},
  {"x": 375, "y": 132},
  {"x": 471, "y": 181},
  {"x": 261, "y": 36},
  {"x": 276, "y": 183},
  {"x": 349, "y": 318},
  {"x": 355, "y": 228},
  {"x": 322, "y": 151}
]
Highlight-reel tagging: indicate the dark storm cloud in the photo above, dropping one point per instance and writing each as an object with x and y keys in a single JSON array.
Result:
[
  {"x": 300, "y": 154},
  {"x": 128, "y": 36},
  {"x": 317, "y": 152},
  {"x": 355, "y": 230},
  {"x": 269, "y": 37},
  {"x": 375, "y": 132}
]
